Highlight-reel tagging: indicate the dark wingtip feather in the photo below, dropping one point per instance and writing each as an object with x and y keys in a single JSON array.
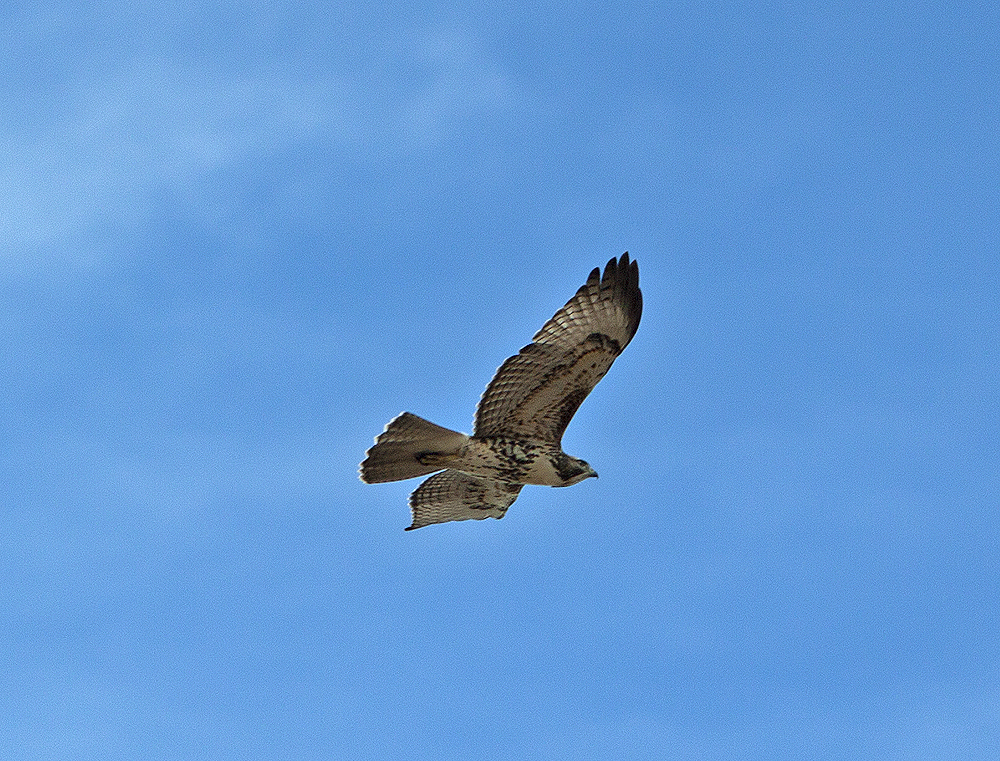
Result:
[
  {"x": 610, "y": 272},
  {"x": 626, "y": 283},
  {"x": 621, "y": 276}
]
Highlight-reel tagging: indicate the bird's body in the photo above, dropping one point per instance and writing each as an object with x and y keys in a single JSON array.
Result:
[
  {"x": 512, "y": 460},
  {"x": 522, "y": 414},
  {"x": 505, "y": 459}
]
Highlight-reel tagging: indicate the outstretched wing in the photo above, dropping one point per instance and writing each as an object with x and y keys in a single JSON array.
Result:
[
  {"x": 535, "y": 393},
  {"x": 455, "y": 496}
]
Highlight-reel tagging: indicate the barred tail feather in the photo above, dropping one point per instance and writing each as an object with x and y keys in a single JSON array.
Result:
[{"x": 409, "y": 447}]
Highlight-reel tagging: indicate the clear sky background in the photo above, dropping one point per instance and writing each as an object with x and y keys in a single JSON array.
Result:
[{"x": 236, "y": 239}]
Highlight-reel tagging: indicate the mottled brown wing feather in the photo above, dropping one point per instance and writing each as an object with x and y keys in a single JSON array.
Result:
[
  {"x": 455, "y": 496},
  {"x": 535, "y": 393}
]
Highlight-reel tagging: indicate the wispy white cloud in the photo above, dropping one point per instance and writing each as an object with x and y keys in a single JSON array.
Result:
[
  {"x": 102, "y": 147},
  {"x": 113, "y": 140},
  {"x": 460, "y": 84}
]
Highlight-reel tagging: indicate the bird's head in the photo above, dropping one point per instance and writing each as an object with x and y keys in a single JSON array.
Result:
[{"x": 573, "y": 470}]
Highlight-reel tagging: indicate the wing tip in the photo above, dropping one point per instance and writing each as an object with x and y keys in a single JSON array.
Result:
[
  {"x": 621, "y": 275},
  {"x": 620, "y": 270}
]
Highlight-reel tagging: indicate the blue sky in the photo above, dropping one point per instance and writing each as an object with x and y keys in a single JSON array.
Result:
[{"x": 237, "y": 239}]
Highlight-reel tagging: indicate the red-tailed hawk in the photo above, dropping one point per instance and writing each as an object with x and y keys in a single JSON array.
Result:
[{"x": 522, "y": 415}]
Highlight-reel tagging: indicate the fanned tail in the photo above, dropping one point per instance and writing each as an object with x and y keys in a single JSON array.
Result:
[{"x": 409, "y": 447}]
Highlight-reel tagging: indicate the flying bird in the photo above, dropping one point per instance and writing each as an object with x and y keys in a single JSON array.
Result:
[{"x": 522, "y": 414}]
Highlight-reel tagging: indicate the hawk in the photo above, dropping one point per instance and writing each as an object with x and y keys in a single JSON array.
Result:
[{"x": 522, "y": 415}]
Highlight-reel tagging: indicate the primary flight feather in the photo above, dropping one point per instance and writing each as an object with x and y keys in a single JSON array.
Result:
[{"x": 522, "y": 415}]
